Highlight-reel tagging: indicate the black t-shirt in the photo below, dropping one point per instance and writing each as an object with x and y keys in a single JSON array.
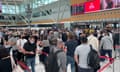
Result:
[
  {"x": 30, "y": 47},
  {"x": 64, "y": 37},
  {"x": 71, "y": 45}
]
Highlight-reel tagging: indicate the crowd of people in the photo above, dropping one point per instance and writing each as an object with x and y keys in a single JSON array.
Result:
[{"x": 72, "y": 44}]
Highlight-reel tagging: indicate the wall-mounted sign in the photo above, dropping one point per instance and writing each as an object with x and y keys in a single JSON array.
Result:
[
  {"x": 77, "y": 9},
  {"x": 110, "y": 4},
  {"x": 94, "y": 5}
]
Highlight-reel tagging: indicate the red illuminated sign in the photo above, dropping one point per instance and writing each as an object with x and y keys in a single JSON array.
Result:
[{"x": 92, "y": 6}]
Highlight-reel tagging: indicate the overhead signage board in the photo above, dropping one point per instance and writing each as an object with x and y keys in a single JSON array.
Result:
[
  {"x": 110, "y": 4},
  {"x": 94, "y": 6}
]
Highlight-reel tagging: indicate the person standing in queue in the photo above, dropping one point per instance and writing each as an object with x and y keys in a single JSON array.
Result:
[
  {"x": 5, "y": 61},
  {"x": 81, "y": 54},
  {"x": 71, "y": 44},
  {"x": 20, "y": 43},
  {"x": 30, "y": 51},
  {"x": 106, "y": 45}
]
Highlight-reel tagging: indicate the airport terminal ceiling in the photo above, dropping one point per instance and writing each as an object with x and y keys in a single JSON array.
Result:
[
  {"x": 19, "y": 6},
  {"x": 11, "y": 9}
]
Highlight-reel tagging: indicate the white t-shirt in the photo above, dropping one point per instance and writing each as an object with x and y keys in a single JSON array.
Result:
[
  {"x": 21, "y": 42},
  {"x": 92, "y": 40},
  {"x": 82, "y": 51}
]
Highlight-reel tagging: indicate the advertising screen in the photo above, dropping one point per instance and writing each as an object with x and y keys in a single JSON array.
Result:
[
  {"x": 73, "y": 9},
  {"x": 77, "y": 9},
  {"x": 92, "y": 6},
  {"x": 110, "y": 4},
  {"x": 80, "y": 8}
]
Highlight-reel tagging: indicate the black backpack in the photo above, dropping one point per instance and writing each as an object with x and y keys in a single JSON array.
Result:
[
  {"x": 52, "y": 62},
  {"x": 93, "y": 59}
]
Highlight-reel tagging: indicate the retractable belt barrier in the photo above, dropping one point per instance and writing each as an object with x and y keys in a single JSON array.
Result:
[
  {"x": 23, "y": 66},
  {"x": 111, "y": 60},
  {"x": 44, "y": 53}
]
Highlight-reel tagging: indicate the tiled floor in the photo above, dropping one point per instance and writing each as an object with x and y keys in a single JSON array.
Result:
[
  {"x": 111, "y": 68},
  {"x": 115, "y": 67}
]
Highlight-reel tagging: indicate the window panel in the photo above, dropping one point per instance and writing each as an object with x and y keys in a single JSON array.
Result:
[{"x": 13, "y": 9}]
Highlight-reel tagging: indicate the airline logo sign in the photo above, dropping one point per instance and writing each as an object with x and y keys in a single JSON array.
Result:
[{"x": 92, "y": 6}]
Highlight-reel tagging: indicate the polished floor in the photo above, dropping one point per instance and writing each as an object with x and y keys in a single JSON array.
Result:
[{"x": 114, "y": 67}]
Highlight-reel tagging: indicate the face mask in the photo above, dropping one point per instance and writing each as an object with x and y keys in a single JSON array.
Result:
[
  {"x": 7, "y": 46},
  {"x": 103, "y": 34},
  {"x": 32, "y": 42}
]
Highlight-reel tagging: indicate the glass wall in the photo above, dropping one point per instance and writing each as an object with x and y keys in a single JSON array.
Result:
[
  {"x": 17, "y": 9},
  {"x": 37, "y": 3},
  {"x": 10, "y": 9}
]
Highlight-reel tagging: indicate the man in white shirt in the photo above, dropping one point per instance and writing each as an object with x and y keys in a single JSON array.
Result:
[
  {"x": 82, "y": 51},
  {"x": 20, "y": 44}
]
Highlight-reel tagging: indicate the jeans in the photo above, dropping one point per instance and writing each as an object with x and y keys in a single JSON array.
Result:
[
  {"x": 31, "y": 63},
  {"x": 104, "y": 52},
  {"x": 70, "y": 60},
  {"x": 20, "y": 56},
  {"x": 15, "y": 55},
  {"x": 85, "y": 70},
  {"x": 43, "y": 57}
]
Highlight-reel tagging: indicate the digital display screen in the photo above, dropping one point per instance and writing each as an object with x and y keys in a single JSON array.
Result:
[
  {"x": 73, "y": 9},
  {"x": 80, "y": 8},
  {"x": 94, "y": 6},
  {"x": 77, "y": 9},
  {"x": 110, "y": 4}
]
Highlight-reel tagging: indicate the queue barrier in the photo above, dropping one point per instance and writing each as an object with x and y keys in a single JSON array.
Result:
[
  {"x": 111, "y": 60},
  {"x": 23, "y": 66}
]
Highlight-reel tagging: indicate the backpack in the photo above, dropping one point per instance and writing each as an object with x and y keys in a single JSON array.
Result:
[
  {"x": 93, "y": 59},
  {"x": 52, "y": 62}
]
